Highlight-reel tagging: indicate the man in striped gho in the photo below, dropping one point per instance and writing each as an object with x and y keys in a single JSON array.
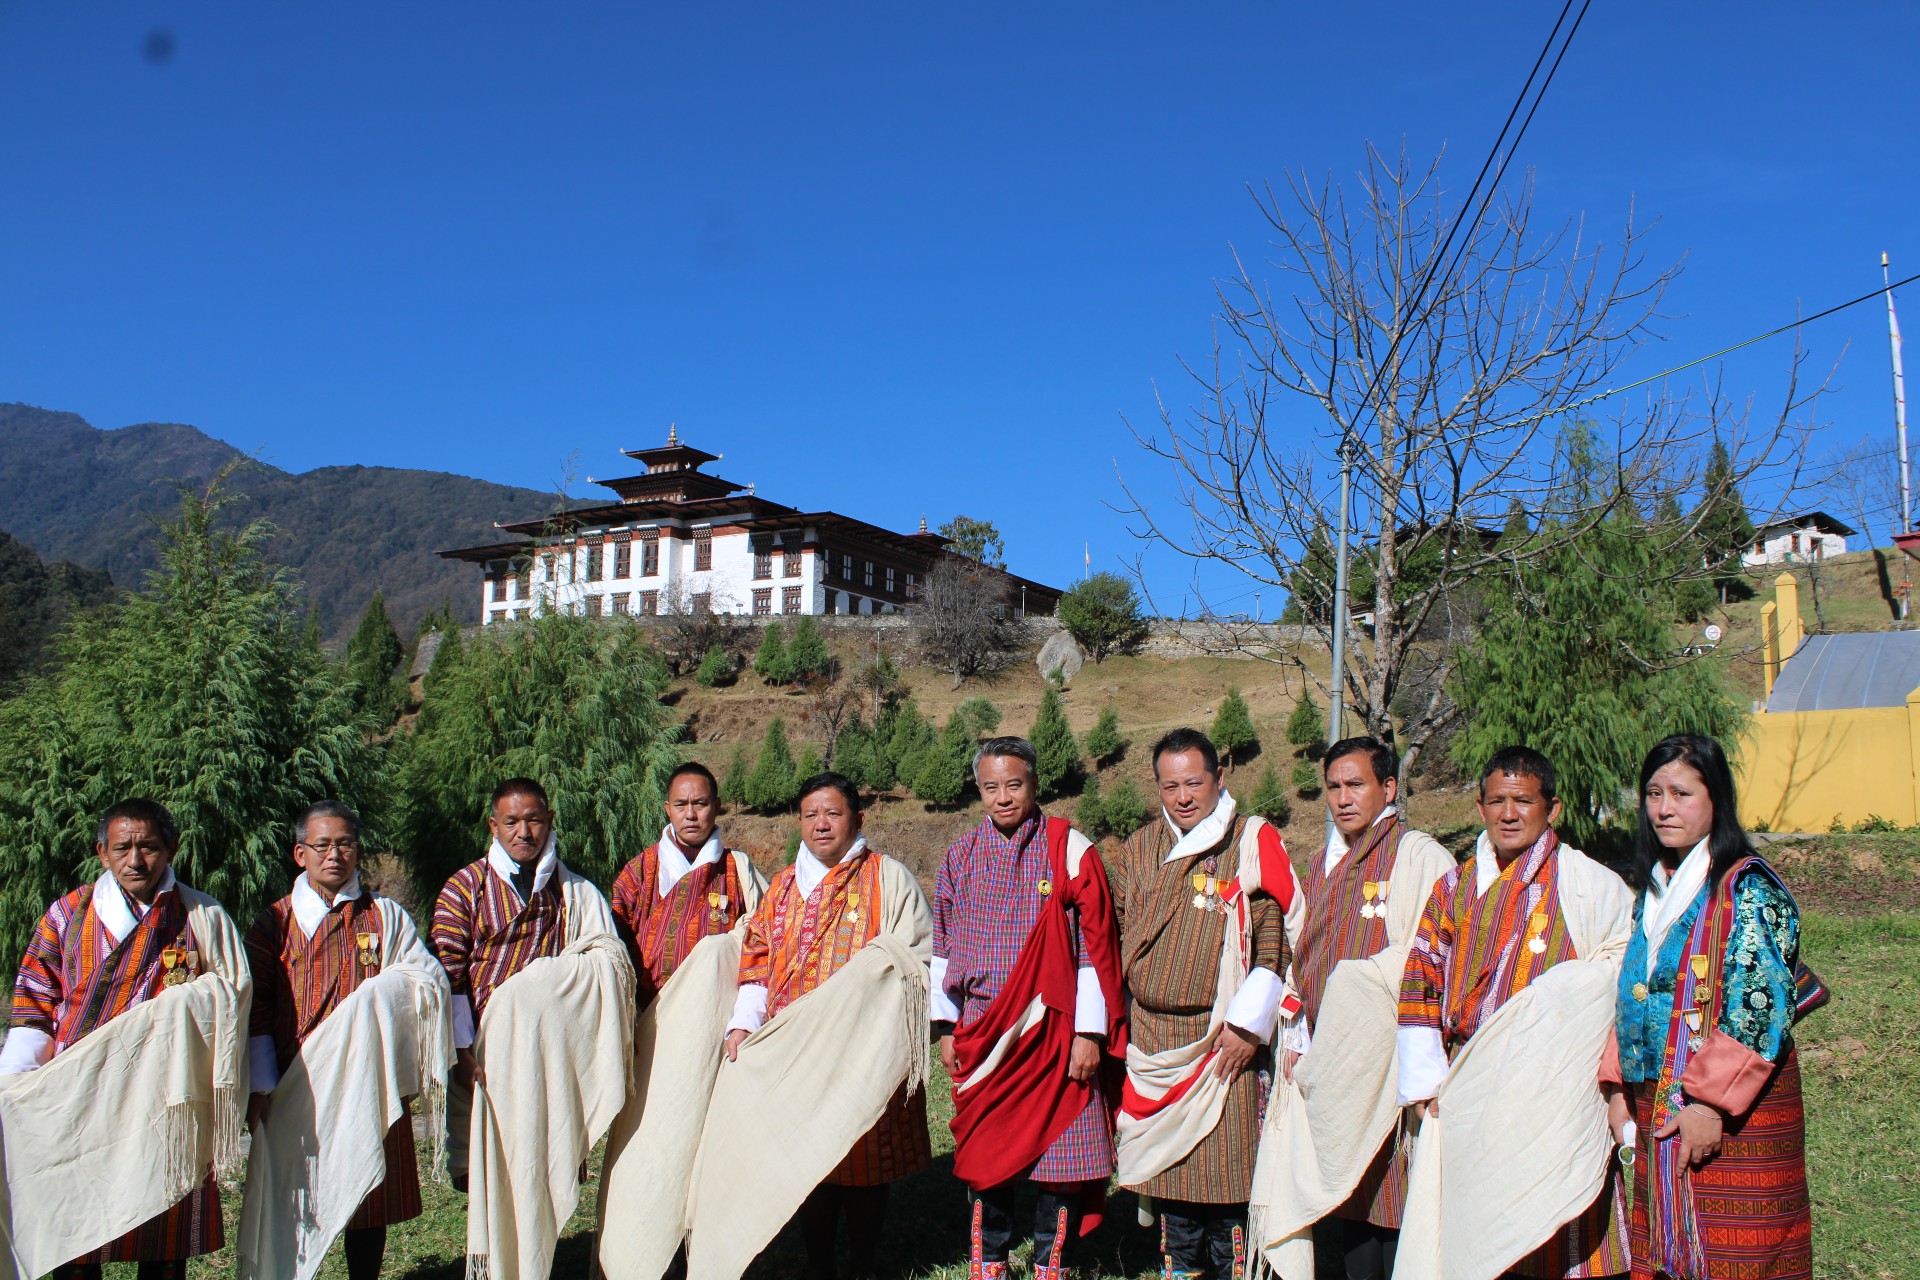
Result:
[
  {"x": 309, "y": 953},
  {"x": 1026, "y": 1001},
  {"x": 104, "y": 954},
  {"x": 1207, "y": 903},
  {"x": 1364, "y": 894},
  {"x": 1505, "y": 1009},
  {"x": 683, "y": 889}
]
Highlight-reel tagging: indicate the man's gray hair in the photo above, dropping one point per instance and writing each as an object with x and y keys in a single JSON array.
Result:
[
  {"x": 325, "y": 809},
  {"x": 1018, "y": 748}
]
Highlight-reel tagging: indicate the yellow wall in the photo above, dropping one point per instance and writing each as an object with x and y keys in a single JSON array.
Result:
[{"x": 1800, "y": 770}]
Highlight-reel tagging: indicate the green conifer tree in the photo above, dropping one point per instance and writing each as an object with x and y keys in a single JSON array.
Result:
[
  {"x": 807, "y": 654},
  {"x": 1232, "y": 730},
  {"x": 1305, "y": 728},
  {"x": 1126, "y": 810},
  {"x": 1269, "y": 799},
  {"x": 1090, "y": 815},
  {"x": 773, "y": 784},
  {"x": 806, "y": 764},
  {"x": 1102, "y": 613},
  {"x": 1103, "y": 740},
  {"x": 733, "y": 787},
  {"x": 771, "y": 663},
  {"x": 1054, "y": 744},
  {"x": 198, "y": 691},
  {"x": 1306, "y": 778},
  {"x": 372, "y": 655},
  {"x": 978, "y": 717},
  {"x": 715, "y": 668}
]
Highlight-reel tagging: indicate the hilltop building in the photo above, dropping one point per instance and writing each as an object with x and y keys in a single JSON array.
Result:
[
  {"x": 1810, "y": 535},
  {"x": 679, "y": 538}
]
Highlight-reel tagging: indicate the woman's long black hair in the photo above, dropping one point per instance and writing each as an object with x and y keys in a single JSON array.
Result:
[{"x": 1726, "y": 842}]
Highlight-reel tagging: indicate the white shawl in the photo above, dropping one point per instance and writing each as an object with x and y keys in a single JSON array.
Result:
[
  {"x": 322, "y": 1148},
  {"x": 556, "y": 1048},
  {"x": 1325, "y": 1126},
  {"x": 121, "y": 1126},
  {"x": 1518, "y": 1144},
  {"x": 650, "y": 1152},
  {"x": 1148, "y": 1146},
  {"x": 850, "y": 1043}
]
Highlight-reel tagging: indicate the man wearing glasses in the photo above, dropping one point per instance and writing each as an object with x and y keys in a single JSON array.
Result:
[{"x": 351, "y": 1018}]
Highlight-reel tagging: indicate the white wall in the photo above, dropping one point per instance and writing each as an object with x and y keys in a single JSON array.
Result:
[{"x": 1778, "y": 548}]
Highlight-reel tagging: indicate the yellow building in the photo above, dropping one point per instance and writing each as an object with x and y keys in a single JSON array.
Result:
[{"x": 1839, "y": 739}]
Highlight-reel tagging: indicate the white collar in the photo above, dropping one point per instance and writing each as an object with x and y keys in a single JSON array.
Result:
[
  {"x": 809, "y": 871},
  {"x": 503, "y": 864},
  {"x": 1486, "y": 866},
  {"x": 1669, "y": 898},
  {"x": 674, "y": 864},
  {"x": 1337, "y": 847},
  {"x": 309, "y": 908},
  {"x": 119, "y": 913},
  {"x": 1206, "y": 833}
]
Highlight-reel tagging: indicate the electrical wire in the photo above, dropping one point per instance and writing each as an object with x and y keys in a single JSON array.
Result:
[
  {"x": 1682, "y": 368},
  {"x": 1493, "y": 153}
]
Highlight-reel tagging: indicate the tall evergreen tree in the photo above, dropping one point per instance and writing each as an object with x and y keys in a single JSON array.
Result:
[
  {"x": 1104, "y": 740},
  {"x": 1055, "y": 746},
  {"x": 1725, "y": 529},
  {"x": 199, "y": 692},
  {"x": 372, "y": 656},
  {"x": 1305, "y": 728},
  {"x": 1578, "y": 661},
  {"x": 773, "y": 783},
  {"x": 557, "y": 698}
]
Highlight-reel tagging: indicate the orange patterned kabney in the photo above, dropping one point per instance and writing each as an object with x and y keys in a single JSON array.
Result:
[
  {"x": 794, "y": 943},
  {"x": 1472, "y": 954},
  {"x": 297, "y": 982},
  {"x": 74, "y": 979}
]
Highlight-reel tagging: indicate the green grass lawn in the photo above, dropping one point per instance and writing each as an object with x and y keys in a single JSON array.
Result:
[{"x": 1861, "y": 1056}]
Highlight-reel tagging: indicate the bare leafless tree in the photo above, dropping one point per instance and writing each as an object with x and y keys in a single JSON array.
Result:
[
  {"x": 877, "y": 672},
  {"x": 1865, "y": 483},
  {"x": 831, "y": 703},
  {"x": 690, "y": 625},
  {"x": 1452, "y": 402},
  {"x": 962, "y": 618}
]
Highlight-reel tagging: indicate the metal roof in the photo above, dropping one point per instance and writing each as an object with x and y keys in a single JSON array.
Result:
[{"x": 1833, "y": 673}]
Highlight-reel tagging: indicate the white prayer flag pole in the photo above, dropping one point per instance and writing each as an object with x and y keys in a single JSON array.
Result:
[{"x": 1900, "y": 424}]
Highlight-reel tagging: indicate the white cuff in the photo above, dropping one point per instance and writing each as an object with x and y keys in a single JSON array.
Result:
[
  {"x": 1089, "y": 1004},
  {"x": 25, "y": 1049},
  {"x": 462, "y": 1022},
  {"x": 749, "y": 1008},
  {"x": 1423, "y": 1063},
  {"x": 263, "y": 1065},
  {"x": 1256, "y": 1005},
  {"x": 1295, "y": 1037},
  {"x": 940, "y": 1006}
]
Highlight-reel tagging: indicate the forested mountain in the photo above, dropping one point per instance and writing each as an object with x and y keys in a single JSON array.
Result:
[
  {"x": 75, "y": 492},
  {"x": 35, "y": 598}
]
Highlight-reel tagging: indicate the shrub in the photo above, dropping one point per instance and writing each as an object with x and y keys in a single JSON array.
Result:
[
  {"x": 979, "y": 716},
  {"x": 1232, "y": 730},
  {"x": 733, "y": 787},
  {"x": 807, "y": 654},
  {"x": 942, "y": 776},
  {"x": 1090, "y": 815},
  {"x": 771, "y": 663},
  {"x": 1054, "y": 745},
  {"x": 1305, "y": 728},
  {"x": 773, "y": 783},
  {"x": 1269, "y": 799},
  {"x": 1127, "y": 810},
  {"x": 716, "y": 668},
  {"x": 1306, "y": 778},
  {"x": 1103, "y": 740}
]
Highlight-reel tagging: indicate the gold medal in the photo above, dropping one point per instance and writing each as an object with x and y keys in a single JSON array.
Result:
[
  {"x": 853, "y": 907},
  {"x": 1045, "y": 887},
  {"x": 369, "y": 949},
  {"x": 717, "y": 908},
  {"x": 171, "y": 960},
  {"x": 1536, "y": 926},
  {"x": 1367, "y": 890}
]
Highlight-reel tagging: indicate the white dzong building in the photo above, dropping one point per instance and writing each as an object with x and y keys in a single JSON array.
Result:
[{"x": 680, "y": 539}]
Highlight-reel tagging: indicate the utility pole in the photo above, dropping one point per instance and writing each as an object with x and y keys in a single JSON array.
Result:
[
  {"x": 1337, "y": 684},
  {"x": 1900, "y": 423}
]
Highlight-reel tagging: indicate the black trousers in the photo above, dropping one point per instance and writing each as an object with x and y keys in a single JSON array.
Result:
[
  {"x": 865, "y": 1209},
  {"x": 1203, "y": 1239},
  {"x": 1353, "y": 1249},
  {"x": 1056, "y": 1226}
]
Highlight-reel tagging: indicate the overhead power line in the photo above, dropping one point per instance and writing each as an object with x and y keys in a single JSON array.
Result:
[{"x": 1682, "y": 368}]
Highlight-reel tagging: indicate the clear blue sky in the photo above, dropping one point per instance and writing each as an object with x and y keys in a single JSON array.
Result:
[{"x": 889, "y": 259}]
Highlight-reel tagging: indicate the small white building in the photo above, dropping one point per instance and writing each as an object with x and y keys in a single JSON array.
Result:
[
  {"x": 679, "y": 539},
  {"x": 1797, "y": 539}
]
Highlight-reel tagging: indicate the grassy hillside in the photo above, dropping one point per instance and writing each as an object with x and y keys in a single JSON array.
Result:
[{"x": 75, "y": 492}]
